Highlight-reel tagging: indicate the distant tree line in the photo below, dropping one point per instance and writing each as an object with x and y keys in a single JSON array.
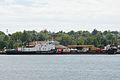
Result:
[{"x": 97, "y": 38}]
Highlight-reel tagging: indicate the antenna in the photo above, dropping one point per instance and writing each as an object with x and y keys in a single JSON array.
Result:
[{"x": 7, "y": 31}]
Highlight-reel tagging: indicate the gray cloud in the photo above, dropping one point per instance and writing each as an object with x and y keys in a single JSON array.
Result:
[{"x": 57, "y": 12}]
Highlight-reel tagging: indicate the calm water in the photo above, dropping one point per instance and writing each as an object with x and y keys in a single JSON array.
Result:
[{"x": 65, "y": 67}]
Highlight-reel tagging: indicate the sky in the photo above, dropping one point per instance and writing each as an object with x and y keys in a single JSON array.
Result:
[{"x": 57, "y": 15}]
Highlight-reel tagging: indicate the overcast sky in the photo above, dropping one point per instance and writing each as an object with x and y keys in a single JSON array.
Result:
[{"x": 56, "y": 15}]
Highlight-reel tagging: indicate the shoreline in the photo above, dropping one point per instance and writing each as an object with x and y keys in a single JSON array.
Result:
[
  {"x": 59, "y": 54},
  {"x": 54, "y": 53}
]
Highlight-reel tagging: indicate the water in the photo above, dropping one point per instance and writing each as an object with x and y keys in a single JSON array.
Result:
[{"x": 62, "y": 67}]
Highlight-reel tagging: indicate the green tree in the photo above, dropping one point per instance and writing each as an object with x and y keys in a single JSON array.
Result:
[
  {"x": 2, "y": 40},
  {"x": 25, "y": 38},
  {"x": 94, "y": 32},
  {"x": 80, "y": 41}
]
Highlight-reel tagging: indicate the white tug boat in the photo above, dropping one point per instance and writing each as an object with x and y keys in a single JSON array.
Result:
[{"x": 35, "y": 47}]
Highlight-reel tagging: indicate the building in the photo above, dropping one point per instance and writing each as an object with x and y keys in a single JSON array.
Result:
[{"x": 79, "y": 47}]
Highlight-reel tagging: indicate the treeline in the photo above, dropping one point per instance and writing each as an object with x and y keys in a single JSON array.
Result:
[{"x": 97, "y": 38}]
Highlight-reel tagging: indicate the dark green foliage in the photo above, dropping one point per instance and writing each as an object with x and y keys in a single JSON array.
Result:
[{"x": 97, "y": 38}]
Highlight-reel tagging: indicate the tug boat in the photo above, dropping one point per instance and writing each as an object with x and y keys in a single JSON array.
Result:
[{"x": 38, "y": 47}]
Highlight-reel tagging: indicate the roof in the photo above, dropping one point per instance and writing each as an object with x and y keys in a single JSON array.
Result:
[
  {"x": 73, "y": 46},
  {"x": 60, "y": 46},
  {"x": 37, "y": 42}
]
